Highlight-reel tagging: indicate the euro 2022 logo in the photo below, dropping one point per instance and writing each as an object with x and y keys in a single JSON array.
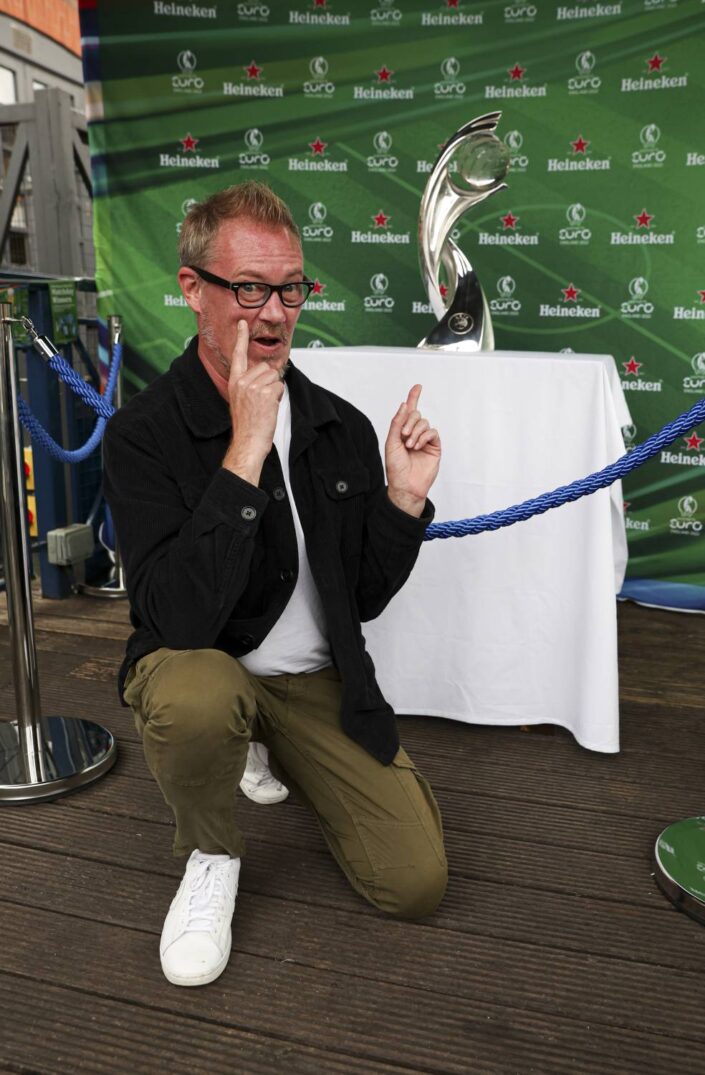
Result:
[{"x": 379, "y": 301}]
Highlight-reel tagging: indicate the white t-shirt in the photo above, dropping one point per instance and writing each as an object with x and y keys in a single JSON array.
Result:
[{"x": 298, "y": 642}]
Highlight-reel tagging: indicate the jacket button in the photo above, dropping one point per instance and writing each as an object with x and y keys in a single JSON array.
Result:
[
  {"x": 246, "y": 640},
  {"x": 286, "y": 575},
  {"x": 341, "y": 486},
  {"x": 279, "y": 493},
  {"x": 248, "y": 513}
]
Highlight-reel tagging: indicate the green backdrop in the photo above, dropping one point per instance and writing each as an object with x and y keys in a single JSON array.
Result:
[{"x": 342, "y": 105}]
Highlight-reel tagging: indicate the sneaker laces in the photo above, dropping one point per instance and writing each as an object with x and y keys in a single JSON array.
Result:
[{"x": 208, "y": 889}]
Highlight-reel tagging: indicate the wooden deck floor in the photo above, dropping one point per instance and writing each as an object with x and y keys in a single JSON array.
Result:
[{"x": 553, "y": 951}]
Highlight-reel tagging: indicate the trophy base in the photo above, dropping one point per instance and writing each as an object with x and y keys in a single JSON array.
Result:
[{"x": 679, "y": 866}]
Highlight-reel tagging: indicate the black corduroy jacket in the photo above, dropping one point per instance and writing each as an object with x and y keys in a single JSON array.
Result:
[{"x": 211, "y": 560}]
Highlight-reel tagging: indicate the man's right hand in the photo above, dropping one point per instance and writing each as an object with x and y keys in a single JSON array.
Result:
[{"x": 255, "y": 395}]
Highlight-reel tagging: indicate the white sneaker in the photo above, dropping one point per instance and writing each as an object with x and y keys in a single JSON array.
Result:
[
  {"x": 196, "y": 938},
  {"x": 258, "y": 781}
]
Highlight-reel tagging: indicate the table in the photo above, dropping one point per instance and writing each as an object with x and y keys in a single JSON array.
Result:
[{"x": 517, "y": 626}]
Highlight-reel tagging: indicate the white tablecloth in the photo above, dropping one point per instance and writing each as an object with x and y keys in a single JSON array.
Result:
[{"x": 517, "y": 626}]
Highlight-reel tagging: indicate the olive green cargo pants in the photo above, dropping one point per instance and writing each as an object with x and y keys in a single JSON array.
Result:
[{"x": 196, "y": 711}]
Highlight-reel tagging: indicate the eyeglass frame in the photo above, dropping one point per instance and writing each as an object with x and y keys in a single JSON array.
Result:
[{"x": 211, "y": 278}]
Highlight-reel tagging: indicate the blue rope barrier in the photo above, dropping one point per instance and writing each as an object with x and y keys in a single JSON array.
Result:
[
  {"x": 101, "y": 404},
  {"x": 582, "y": 487}
]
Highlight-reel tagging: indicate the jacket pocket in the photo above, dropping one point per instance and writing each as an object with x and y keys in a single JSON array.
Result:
[{"x": 344, "y": 482}]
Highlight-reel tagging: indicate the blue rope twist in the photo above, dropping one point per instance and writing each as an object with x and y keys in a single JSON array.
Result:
[
  {"x": 101, "y": 404},
  {"x": 583, "y": 487}
]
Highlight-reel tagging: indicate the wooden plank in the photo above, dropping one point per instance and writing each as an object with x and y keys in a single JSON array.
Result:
[
  {"x": 101, "y": 1037},
  {"x": 459, "y": 1029}
]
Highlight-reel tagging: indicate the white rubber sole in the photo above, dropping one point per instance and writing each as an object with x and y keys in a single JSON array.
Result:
[{"x": 270, "y": 800}]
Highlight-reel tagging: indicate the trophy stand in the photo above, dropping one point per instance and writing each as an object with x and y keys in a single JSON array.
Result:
[{"x": 481, "y": 161}]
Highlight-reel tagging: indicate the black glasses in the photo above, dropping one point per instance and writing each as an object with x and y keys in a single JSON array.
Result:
[{"x": 254, "y": 293}]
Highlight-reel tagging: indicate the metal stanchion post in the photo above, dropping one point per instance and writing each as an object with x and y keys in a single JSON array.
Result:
[
  {"x": 116, "y": 587},
  {"x": 40, "y": 757}
]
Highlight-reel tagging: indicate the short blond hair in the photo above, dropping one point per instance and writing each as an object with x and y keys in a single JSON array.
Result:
[{"x": 251, "y": 200}]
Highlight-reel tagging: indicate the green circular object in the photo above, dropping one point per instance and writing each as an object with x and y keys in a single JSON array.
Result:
[{"x": 679, "y": 865}]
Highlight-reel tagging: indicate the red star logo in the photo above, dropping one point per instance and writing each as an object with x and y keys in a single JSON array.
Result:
[
  {"x": 580, "y": 144},
  {"x": 644, "y": 219},
  {"x": 656, "y": 62},
  {"x": 693, "y": 441},
  {"x": 443, "y": 290},
  {"x": 318, "y": 147},
  {"x": 626, "y": 506},
  {"x": 384, "y": 74},
  {"x": 319, "y": 3},
  {"x": 509, "y": 221},
  {"x": 189, "y": 143},
  {"x": 516, "y": 73},
  {"x": 570, "y": 293},
  {"x": 318, "y": 287},
  {"x": 452, "y": 3},
  {"x": 381, "y": 220},
  {"x": 702, "y": 295},
  {"x": 253, "y": 70},
  {"x": 632, "y": 366}
]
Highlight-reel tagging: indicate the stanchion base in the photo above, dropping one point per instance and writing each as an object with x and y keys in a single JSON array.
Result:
[
  {"x": 75, "y": 752},
  {"x": 679, "y": 865},
  {"x": 110, "y": 589}
]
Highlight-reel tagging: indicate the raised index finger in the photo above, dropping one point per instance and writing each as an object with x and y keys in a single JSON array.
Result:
[
  {"x": 413, "y": 398},
  {"x": 238, "y": 363}
]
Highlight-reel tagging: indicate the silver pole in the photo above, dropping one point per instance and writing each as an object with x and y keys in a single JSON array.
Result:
[
  {"x": 17, "y": 563},
  {"x": 116, "y": 587},
  {"x": 40, "y": 757}
]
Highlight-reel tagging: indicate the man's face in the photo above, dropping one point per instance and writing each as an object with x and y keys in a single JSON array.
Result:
[{"x": 245, "y": 250}]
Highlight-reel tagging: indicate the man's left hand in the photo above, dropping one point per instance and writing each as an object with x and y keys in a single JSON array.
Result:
[{"x": 412, "y": 456}]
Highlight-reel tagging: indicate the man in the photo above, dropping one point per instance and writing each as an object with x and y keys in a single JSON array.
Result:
[{"x": 257, "y": 533}]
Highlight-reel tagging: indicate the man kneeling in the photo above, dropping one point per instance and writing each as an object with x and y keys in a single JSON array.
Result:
[{"x": 257, "y": 532}]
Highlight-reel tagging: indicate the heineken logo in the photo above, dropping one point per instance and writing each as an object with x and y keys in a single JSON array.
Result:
[
  {"x": 316, "y": 159},
  {"x": 580, "y": 159},
  {"x": 508, "y": 235},
  {"x": 654, "y": 77},
  {"x": 254, "y": 84},
  {"x": 695, "y": 312},
  {"x": 518, "y": 85},
  {"x": 379, "y": 232},
  {"x": 319, "y": 13},
  {"x": 569, "y": 305},
  {"x": 189, "y": 157},
  {"x": 641, "y": 233},
  {"x": 449, "y": 14},
  {"x": 320, "y": 303},
  {"x": 632, "y": 369}
]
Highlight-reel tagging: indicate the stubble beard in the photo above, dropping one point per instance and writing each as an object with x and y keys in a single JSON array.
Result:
[{"x": 207, "y": 333}]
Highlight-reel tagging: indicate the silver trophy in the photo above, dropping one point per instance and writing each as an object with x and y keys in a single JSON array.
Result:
[{"x": 481, "y": 161}]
